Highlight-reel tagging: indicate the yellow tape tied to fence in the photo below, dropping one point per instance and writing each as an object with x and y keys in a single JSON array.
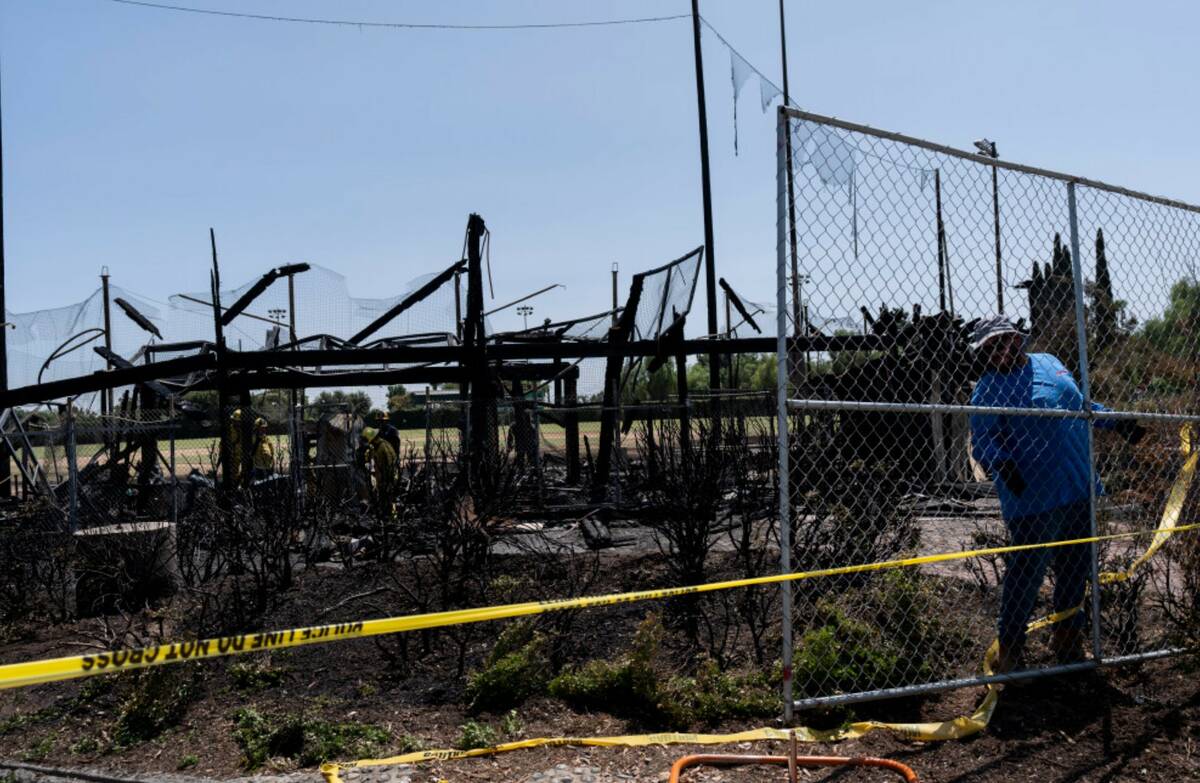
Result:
[
  {"x": 15, "y": 675},
  {"x": 956, "y": 728}
]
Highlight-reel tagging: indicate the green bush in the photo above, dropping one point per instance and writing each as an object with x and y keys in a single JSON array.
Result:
[
  {"x": 713, "y": 696},
  {"x": 627, "y": 687},
  {"x": 474, "y": 734},
  {"x": 85, "y": 746},
  {"x": 158, "y": 699},
  {"x": 256, "y": 674},
  {"x": 908, "y": 609},
  {"x": 630, "y": 687},
  {"x": 844, "y": 654},
  {"x": 306, "y": 740},
  {"x": 511, "y": 725},
  {"x": 517, "y": 668},
  {"x": 41, "y": 749},
  {"x": 898, "y": 635},
  {"x": 410, "y": 744}
]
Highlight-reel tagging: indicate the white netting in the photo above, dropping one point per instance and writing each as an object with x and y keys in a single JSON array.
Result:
[{"x": 324, "y": 306}]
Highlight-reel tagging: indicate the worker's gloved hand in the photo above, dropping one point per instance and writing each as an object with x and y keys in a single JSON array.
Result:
[
  {"x": 1012, "y": 477},
  {"x": 1130, "y": 430}
]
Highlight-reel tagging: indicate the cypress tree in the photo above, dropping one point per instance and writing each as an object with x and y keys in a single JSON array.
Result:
[{"x": 1104, "y": 311}]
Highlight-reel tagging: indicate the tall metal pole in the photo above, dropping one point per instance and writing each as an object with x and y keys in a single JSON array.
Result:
[
  {"x": 223, "y": 407},
  {"x": 295, "y": 410},
  {"x": 710, "y": 273},
  {"x": 5, "y": 470},
  {"x": 781, "y": 412},
  {"x": 941, "y": 259},
  {"x": 614, "y": 293},
  {"x": 996, "y": 218},
  {"x": 797, "y": 320},
  {"x": 1085, "y": 386},
  {"x": 106, "y": 398}
]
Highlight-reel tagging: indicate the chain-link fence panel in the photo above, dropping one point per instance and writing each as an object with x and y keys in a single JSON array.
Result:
[
  {"x": 991, "y": 396},
  {"x": 1143, "y": 329}
]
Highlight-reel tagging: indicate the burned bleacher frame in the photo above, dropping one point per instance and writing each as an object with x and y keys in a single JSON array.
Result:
[{"x": 486, "y": 368}]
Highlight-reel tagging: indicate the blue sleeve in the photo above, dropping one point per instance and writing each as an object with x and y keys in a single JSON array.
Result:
[
  {"x": 1104, "y": 424},
  {"x": 987, "y": 432}
]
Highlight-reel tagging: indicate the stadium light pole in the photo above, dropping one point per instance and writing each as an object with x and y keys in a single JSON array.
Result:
[
  {"x": 797, "y": 303},
  {"x": 5, "y": 469},
  {"x": 988, "y": 148},
  {"x": 710, "y": 264}
]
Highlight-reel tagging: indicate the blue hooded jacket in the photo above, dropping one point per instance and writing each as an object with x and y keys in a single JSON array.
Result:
[{"x": 1050, "y": 452}]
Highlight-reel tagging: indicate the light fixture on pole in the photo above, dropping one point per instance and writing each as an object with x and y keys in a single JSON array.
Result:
[
  {"x": 988, "y": 148},
  {"x": 525, "y": 311}
]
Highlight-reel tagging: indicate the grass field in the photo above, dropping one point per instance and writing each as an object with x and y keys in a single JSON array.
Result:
[{"x": 200, "y": 452}]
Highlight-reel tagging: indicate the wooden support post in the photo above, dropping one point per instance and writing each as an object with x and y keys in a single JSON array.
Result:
[
  {"x": 571, "y": 425},
  {"x": 618, "y": 336},
  {"x": 483, "y": 436}
]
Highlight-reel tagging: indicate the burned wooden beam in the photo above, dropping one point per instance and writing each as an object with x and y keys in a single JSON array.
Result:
[
  {"x": 409, "y": 354},
  {"x": 260, "y": 285},
  {"x": 419, "y": 295}
]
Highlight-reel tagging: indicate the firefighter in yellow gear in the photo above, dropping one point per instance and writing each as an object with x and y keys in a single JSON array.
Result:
[
  {"x": 382, "y": 469},
  {"x": 235, "y": 446},
  {"x": 264, "y": 450}
]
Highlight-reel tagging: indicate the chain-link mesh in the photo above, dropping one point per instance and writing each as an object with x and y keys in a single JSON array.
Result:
[{"x": 1069, "y": 307}]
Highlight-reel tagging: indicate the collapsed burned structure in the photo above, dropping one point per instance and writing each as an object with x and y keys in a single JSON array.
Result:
[
  {"x": 488, "y": 370},
  {"x": 869, "y": 450}
]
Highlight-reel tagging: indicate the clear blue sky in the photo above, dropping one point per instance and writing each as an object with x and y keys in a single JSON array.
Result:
[{"x": 129, "y": 131}]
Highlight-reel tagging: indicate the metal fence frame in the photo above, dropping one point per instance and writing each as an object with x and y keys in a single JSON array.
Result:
[{"x": 785, "y": 404}]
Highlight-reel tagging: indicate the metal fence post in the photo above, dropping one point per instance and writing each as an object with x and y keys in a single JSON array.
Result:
[
  {"x": 72, "y": 468},
  {"x": 781, "y": 393},
  {"x": 1085, "y": 388}
]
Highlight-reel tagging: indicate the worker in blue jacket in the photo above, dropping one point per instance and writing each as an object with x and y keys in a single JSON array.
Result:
[{"x": 1040, "y": 465}]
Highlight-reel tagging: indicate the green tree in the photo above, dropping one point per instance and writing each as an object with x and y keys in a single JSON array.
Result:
[
  {"x": 657, "y": 385},
  {"x": 398, "y": 397},
  {"x": 1175, "y": 331},
  {"x": 697, "y": 374},
  {"x": 359, "y": 401},
  {"x": 206, "y": 398},
  {"x": 764, "y": 375}
]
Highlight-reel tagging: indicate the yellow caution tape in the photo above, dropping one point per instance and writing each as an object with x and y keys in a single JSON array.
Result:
[
  {"x": 51, "y": 670},
  {"x": 56, "y": 669},
  {"x": 957, "y": 728},
  {"x": 1173, "y": 509}
]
